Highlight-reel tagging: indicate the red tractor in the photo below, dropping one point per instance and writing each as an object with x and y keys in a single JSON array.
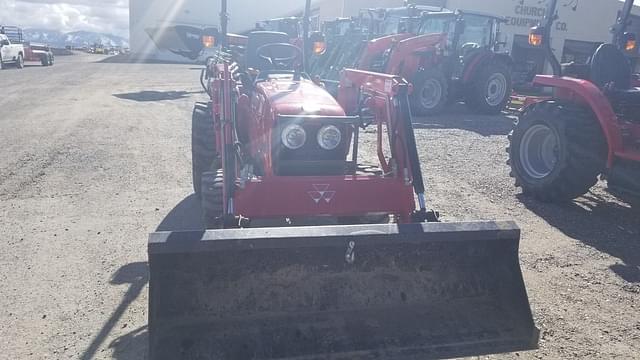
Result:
[
  {"x": 273, "y": 148},
  {"x": 347, "y": 38},
  {"x": 448, "y": 56},
  {"x": 589, "y": 127}
]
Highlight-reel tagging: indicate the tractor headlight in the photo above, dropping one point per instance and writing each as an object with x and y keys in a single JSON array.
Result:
[
  {"x": 329, "y": 137},
  {"x": 294, "y": 137}
]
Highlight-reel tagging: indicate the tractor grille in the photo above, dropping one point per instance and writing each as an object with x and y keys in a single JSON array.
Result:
[{"x": 311, "y": 159}]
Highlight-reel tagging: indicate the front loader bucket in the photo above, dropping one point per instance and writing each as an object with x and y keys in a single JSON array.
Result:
[{"x": 415, "y": 291}]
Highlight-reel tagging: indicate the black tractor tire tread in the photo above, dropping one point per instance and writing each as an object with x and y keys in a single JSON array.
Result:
[
  {"x": 475, "y": 95},
  {"x": 585, "y": 151},
  {"x": 421, "y": 77},
  {"x": 212, "y": 198},
  {"x": 203, "y": 147}
]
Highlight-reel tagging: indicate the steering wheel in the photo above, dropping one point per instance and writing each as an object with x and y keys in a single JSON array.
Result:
[{"x": 267, "y": 51}]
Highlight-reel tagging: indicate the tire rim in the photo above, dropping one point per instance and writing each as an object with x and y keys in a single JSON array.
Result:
[
  {"x": 496, "y": 89},
  {"x": 539, "y": 151},
  {"x": 431, "y": 94}
]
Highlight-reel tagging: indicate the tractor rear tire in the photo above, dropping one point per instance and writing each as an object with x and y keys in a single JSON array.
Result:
[
  {"x": 557, "y": 151},
  {"x": 212, "y": 198},
  {"x": 490, "y": 90},
  {"x": 430, "y": 92},
  {"x": 203, "y": 144}
]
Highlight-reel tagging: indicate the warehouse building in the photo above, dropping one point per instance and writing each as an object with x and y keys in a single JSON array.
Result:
[{"x": 582, "y": 24}]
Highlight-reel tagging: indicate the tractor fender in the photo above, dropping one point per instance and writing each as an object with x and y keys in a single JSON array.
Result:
[
  {"x": 586, "y": 93},
  {"x": 481, "y": 59}
]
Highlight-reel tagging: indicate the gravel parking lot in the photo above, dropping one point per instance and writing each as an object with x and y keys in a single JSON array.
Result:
[{"x": 96, "y": 155}]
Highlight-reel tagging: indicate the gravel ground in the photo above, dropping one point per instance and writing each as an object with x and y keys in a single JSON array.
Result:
[{"x": 97, "y": 155}]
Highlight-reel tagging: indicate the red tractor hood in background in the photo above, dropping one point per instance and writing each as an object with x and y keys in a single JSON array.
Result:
[
  {"x": 408, "y": 55},
  {"x": 289, "y": 97}
]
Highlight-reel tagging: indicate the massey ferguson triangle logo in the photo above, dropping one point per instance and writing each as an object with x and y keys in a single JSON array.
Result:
[{"x": 321, "y": 193}]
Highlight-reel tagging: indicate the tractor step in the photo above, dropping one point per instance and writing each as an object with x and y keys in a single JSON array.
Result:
[{"x": 342, "y": 292}]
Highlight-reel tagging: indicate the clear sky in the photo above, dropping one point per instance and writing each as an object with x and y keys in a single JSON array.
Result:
[{"x": 108, "y": 16}]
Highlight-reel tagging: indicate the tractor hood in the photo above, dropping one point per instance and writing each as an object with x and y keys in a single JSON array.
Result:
[{"x": 290, "y": 97}]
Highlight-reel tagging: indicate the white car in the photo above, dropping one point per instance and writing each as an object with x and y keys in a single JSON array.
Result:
[{"x": 10, "y": 53}]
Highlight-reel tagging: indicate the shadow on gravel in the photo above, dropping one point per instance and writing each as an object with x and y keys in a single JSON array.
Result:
[
  {"x": 606, "y": 226},
  {"x": 187, "y": 215},
  {"x": 152, "y": 95},
  {"x": 459, "y": 117},
  {"x": 131, "y": 346},
  {"x": 130, "y": 59},
  {"x": 137, "y": 276}
]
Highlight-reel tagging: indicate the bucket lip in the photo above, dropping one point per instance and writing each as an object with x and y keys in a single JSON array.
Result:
[{"x": 176, "y": 242}]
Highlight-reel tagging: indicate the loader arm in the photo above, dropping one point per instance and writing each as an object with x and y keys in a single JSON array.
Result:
[
  {"x": 378, "y": 46},
  {"x": 390, "y": 101}
]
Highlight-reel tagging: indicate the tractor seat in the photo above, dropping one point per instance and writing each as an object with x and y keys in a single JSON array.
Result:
[
  {"x": 610, "y": 69},
  {"x": 611, "y": 72}
]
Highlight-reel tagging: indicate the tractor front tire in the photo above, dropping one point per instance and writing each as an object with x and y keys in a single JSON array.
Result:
[
  {"x": 204, "y": 157},
  {"x": 44, "y": 60},
  {"x": 212, "y": 198},
  {"x": 557, "y": 151},
  {"x": 490, "y": 89},
  {"x": 430, "y": 92}
]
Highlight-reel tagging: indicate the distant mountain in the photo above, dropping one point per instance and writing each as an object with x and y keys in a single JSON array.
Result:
[{"x": 76, "y": 38}]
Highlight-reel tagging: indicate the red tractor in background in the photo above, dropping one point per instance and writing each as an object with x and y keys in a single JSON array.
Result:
[
  {"x": 450, "y": 56},
  {"x": 346, "y": 38},
  {"x": 447, "y": 56},
  {"x": 271, "y": 147},
  {"x": 589, "y": 127}
]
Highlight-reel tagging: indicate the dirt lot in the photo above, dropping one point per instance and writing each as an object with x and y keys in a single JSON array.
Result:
[{"x": 96, "y": 155}]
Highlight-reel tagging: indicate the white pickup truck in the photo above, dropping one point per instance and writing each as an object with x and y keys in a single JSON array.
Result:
[{"x": 10, "y": 53}]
